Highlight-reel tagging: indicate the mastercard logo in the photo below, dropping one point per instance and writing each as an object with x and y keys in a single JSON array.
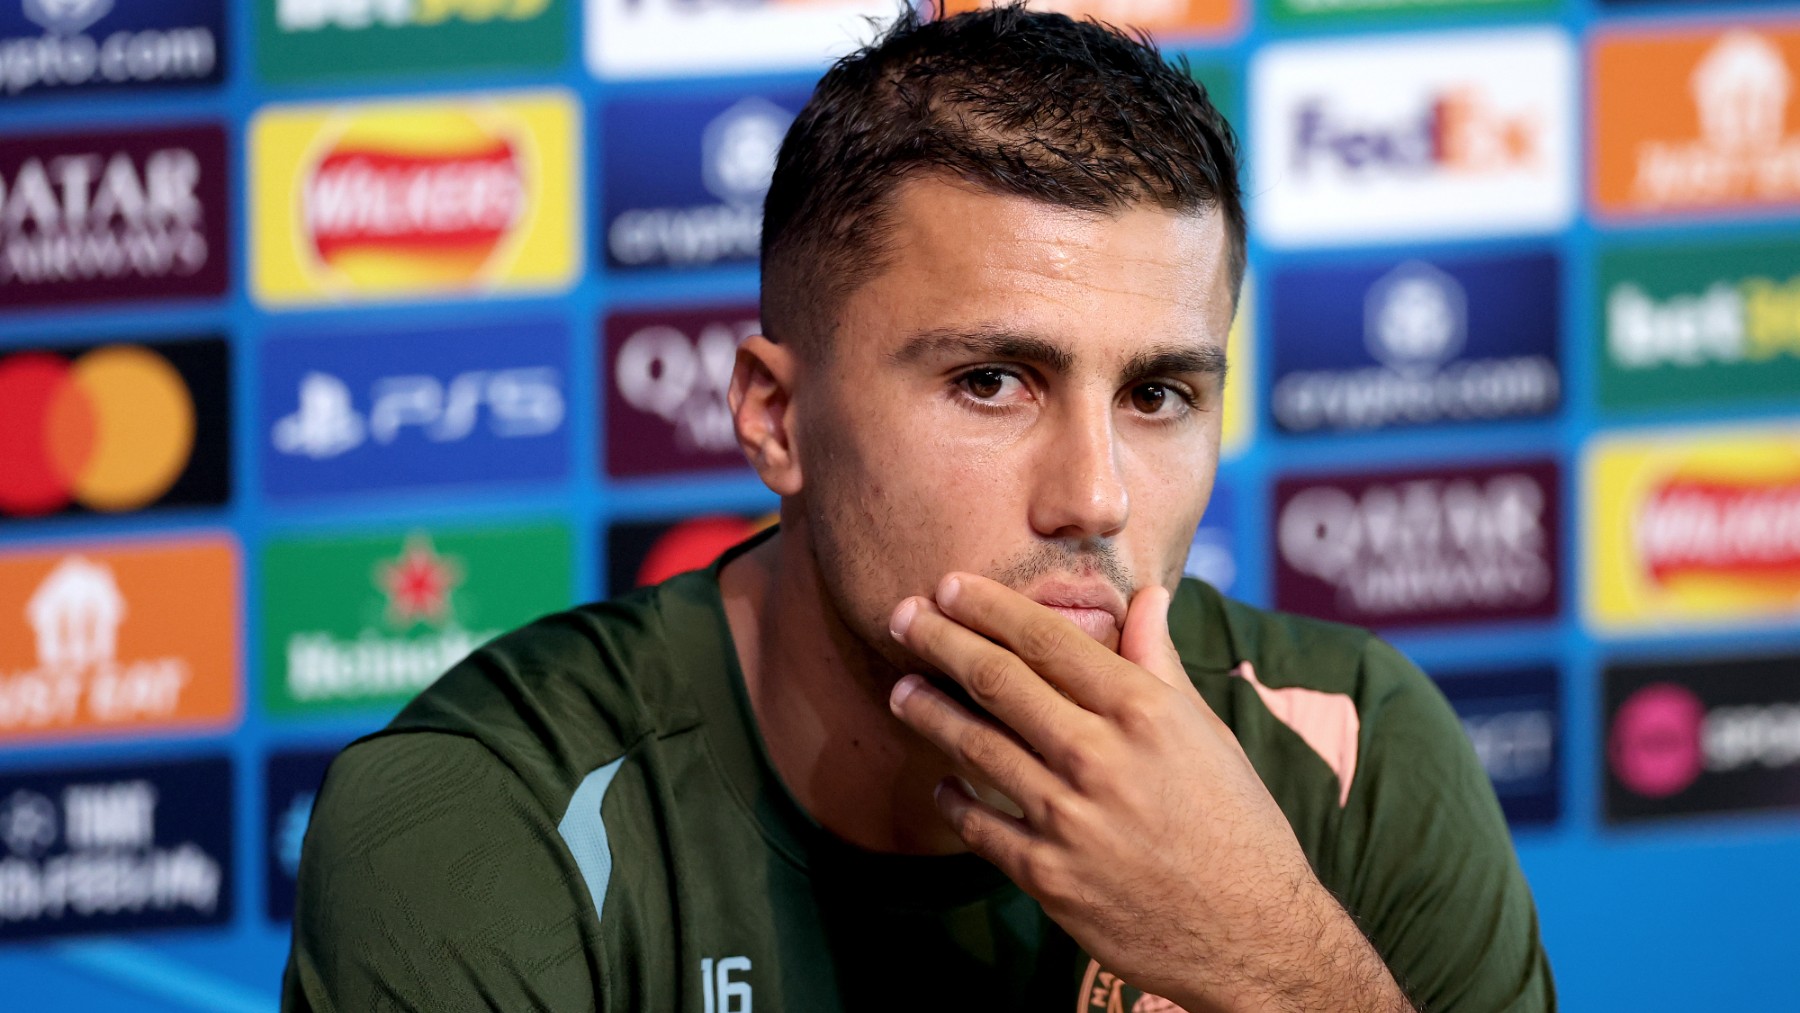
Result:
[
  {"x": 113, "y": 429},
  {"x": 425, "y": 197}
]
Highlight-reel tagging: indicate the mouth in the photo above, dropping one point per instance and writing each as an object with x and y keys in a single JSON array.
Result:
[{"x": 1096, "y": 609}]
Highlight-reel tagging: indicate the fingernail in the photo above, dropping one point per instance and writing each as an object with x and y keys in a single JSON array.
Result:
[
  {"x": 902, "y": 689},
  {"x": 947, "y": 592},
  {"x": 956, "y": 784},
  {"x": 903, "y": 617}
]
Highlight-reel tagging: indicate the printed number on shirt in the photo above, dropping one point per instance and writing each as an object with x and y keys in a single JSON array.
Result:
[{"x": 721, "y": 992}]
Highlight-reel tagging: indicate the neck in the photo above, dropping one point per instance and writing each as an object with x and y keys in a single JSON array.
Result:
[{"x": 819, "y": 695}]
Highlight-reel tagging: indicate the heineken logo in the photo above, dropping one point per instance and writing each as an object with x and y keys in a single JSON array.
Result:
[
  {"x": 418, "y": 583},
  {"x": 374, "y": 619}
]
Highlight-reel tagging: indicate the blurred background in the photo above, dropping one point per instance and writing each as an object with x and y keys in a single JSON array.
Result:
[{"x": 337, "y": 336}]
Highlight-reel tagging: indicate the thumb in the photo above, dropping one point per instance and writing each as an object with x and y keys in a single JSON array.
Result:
[{"x": 1145, "y": 640}]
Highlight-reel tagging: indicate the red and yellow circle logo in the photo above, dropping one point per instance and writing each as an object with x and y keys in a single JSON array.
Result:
[
  {"x": 111, "y": 430},
  {"x": 416, "y": 198}
]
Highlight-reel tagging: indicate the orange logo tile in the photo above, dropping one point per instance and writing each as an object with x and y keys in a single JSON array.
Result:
[
  {"x": 119, "y": 636},
  {"x": 1696, "y": 120},
  {"x": 1161, "y": 17}
]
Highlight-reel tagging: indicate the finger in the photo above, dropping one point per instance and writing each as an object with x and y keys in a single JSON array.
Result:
[
  {"x": 995, "y": 679},
  {"x": 1146, "y": 642},
  {"x": 982, "y": 750},
  {"x": 987, "y": 831},
  {"x": 1051, "y": 645}
]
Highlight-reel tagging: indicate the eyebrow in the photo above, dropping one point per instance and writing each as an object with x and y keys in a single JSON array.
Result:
[
  {"x": 992, "y": 343},
  {"x": 1177, "y": 359},
  {"x": 999, "y": 343}
]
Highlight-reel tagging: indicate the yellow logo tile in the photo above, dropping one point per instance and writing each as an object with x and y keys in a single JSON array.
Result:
[
  {"x": 419, "y": 199},
  {"x": 1692, "y": 527},
  {"x": 1239, "y": 423}
]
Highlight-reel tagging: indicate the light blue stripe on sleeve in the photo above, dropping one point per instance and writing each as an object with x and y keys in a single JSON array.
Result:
[{"x": 585, "y": 834}]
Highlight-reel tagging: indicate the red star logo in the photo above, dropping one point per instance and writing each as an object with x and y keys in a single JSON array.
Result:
[{"x": 418, "y": 584}]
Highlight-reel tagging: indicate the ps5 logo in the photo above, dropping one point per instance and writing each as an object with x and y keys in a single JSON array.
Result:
[
  {"x": 516, "y": 403},
  {"x": 1415, "y": 319}
]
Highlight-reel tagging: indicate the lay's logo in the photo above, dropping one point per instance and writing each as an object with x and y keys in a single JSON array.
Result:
[
  {"x": 1694, "y": 528},
  {"x": 406, "y": 200}
]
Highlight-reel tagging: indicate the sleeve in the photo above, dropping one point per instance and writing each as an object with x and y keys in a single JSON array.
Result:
[
  {"x": 432, "y": 880},
  {"x": 1426, "y": 862}
]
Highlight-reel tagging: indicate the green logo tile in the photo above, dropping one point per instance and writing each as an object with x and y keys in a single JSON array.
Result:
[
  {"x": 1291, "y": 11},
  {"x": 369, "y": 620},
  {"x": 311, "y": 40},
  {"x": 1713, "y": 325}
]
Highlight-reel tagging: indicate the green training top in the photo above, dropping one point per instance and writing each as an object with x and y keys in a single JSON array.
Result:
[{"x": 582, "y": 815}]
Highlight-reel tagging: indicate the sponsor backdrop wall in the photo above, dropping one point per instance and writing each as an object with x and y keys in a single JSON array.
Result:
[{"x": 337, "y": 336}]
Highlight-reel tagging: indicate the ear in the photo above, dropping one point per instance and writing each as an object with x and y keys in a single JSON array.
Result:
[{"x": 761, "y": 399}]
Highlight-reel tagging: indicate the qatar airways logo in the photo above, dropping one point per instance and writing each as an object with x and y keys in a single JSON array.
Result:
[
  {"x": 1420, "y": 548},
  {"x": 666, "y": 381},
  {"x": 1414, "y": 137},
  {"x": 137, "y": 214}
]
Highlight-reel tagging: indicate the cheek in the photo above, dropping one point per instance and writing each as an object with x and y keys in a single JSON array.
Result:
[{"x": 1168, "y": 500}]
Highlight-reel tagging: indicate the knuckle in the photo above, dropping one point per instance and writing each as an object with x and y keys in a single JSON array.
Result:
[
  {"x": 1042, "y": 875},
  {"x": 1080, "y": 765},
  {"x": 1058, "y": 815},
  {"x": 988, "y": 677},
  {"x": 1044, "y": 638},
  {"x": 1140, "y": 714},
  {"x": 972, "y": 828},
  {"x": 974, "y": 751}
]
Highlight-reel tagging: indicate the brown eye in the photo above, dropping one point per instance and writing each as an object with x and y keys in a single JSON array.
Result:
[
  {"x": 985, "y": 384},
  {"x": 1149, "y": 397}
]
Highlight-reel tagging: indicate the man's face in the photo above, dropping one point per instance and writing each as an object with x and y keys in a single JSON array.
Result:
[{"x": 1026, "y": 392}]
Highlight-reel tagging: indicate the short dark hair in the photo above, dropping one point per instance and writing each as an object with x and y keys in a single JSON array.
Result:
[{"x": 1073, "y": 113}]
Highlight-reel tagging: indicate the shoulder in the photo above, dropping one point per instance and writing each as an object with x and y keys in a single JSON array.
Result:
[
  {"x": 1218, "y": 634},
  {"x": 565, "y": 695},
  {"x": 429, "y": 872},
  {"x": 1325, "y": 710}
]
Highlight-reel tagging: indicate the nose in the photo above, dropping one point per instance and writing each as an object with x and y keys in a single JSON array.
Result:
[{"x": 1079, "y": 488}]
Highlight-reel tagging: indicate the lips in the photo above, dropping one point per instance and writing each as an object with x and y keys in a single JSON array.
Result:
[{"x": 1097, "y": 609}]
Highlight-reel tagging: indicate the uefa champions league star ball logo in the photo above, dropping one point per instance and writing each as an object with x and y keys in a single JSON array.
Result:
[
  {"x": 66, "y": 17},
  {"x": 738, "y": 150},
  {"x": 1416, "y": 318},
  {"x": 27, "y": 824}
]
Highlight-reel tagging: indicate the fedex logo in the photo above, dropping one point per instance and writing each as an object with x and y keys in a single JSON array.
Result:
[
  {"x": 1458, "y": 130},
  {"x": 455, "y": 406},
  {"x": 1422, "y": 136}
]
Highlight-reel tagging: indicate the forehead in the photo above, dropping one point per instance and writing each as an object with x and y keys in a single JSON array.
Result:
[{"x": 960, "y": 256}]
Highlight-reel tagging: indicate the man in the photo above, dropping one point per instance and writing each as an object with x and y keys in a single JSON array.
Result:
[{"x": 957, "y": 736}]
